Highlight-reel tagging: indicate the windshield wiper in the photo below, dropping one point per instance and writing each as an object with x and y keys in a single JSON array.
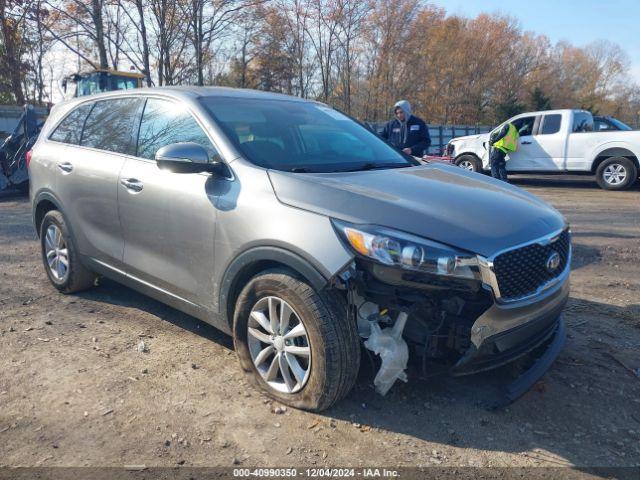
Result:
[
  {"x": 300, "y": 170},
  {"x": 374, "y": 166}
]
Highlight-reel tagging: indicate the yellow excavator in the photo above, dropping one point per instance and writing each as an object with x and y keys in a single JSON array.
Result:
[{"x": 100, "y": 80}]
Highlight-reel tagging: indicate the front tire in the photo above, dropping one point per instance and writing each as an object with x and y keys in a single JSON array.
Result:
[
  {"x": 616, "y": 173},
  {"x": 468, "y": 162},
  {"x": 60, "y": 256},
  {"x": 294, "y": 343}
]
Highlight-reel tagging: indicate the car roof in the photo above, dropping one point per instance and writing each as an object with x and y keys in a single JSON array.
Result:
[
  {"x": 191, "y": 91},
  {"x": 548, "y": 112}
]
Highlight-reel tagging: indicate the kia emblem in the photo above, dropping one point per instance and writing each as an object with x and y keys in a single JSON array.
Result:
[{"x": 553, "y": 261}]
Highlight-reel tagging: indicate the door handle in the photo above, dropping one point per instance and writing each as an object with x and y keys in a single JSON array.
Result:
[
  {"x": 525, "y": 143},
  {"x": 65, "y": 167},
  {"x": 132, "y": 184}
]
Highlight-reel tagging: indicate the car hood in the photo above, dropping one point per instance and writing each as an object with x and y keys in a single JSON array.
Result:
[
  {"x": 469, "y": 137},
  {"x": 439, "y": 202}
]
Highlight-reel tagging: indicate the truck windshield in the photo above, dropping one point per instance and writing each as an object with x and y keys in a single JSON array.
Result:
[
  {"x": 98, "y": 82},
  {"x": 301, "y": 136}
]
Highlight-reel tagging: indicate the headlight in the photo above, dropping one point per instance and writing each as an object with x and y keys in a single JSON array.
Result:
[
  {"x": 450, "y": 149},
  {"x": 393, "y": 248}
]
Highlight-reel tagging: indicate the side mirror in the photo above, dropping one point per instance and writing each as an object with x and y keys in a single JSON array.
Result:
[{"x": 187, "y": 157}]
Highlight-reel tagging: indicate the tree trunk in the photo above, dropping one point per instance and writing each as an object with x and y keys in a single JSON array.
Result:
[
  {"x": 97, "y": 20},
  {"x": 145, "y": 43},
  {"x": 9, "y": 35}
]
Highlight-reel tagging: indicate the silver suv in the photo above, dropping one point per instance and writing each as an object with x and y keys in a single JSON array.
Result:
[{"x": 292, "y": 227}]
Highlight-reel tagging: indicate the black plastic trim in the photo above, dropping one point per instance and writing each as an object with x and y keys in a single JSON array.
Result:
[
  {"x": 270, "y": 254},
  {"x": 522, "y": 384}
]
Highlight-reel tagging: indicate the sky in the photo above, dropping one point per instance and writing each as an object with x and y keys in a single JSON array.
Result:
[{"x": 577, "y": 21}]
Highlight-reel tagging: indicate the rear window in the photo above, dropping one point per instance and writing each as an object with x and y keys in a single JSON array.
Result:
[
  {"x": 70, "y": 129},
  {"x": 110, "y": 125},
  {"x": 551, "y": 124}
]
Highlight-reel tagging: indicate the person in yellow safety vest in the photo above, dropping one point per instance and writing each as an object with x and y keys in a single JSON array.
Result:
[{"x": 502, "y": 142}]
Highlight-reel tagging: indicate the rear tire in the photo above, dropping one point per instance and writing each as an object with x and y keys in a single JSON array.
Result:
[
  {"x": 60, "y": 256},
  {"x": 469, "y": 162},
  {"x": 616, "y": 173},
  {"x": 331, "y": 340}
]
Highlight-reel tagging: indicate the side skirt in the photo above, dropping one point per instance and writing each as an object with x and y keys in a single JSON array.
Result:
[{"x": 215, "y": 319}]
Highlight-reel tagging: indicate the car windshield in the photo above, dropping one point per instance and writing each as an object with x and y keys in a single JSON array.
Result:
[{"x": 301, "y": 136}]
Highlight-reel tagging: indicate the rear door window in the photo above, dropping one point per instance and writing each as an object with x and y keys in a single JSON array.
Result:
[
  {"x": 551, "y": 124},
  {"x": 164, "y": 122},
  {"x": 110, "y": 125},
  {"x": 70, "y": 129}
]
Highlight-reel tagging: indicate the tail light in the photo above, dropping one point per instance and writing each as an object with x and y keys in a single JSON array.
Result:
[{"x": 27, "y": 156}]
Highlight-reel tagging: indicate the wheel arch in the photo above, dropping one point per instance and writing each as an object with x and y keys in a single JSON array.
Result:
[
  {"x": 44, "y": 202},
  {"x": 614, "y": 152},
  {"x": 470, "y": 153},
  {"x": 258, "y": 259}
]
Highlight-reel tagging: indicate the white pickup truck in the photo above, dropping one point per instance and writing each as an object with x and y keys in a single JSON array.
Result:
[{"x": 559, "y": 141}]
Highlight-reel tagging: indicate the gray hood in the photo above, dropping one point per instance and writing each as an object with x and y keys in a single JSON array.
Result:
[
  {"x": 405, "y": 106},
  {"x": 438, "y": 202}
]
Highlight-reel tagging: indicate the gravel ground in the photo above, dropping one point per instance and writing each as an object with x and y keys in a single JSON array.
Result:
[{"x": 75, "y": 390}]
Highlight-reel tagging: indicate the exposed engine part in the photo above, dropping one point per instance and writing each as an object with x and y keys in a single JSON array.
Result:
[
  {"x": 393, "y": 351},
  {"x": 367, "y": 313},
  {"x": 436, "y": 332}
]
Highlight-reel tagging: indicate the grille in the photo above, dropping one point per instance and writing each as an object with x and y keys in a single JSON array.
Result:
[{"x": 521, "y": 272}]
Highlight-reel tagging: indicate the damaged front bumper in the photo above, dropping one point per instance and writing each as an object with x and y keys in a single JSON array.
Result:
[
  {"x": 474, "y": 333},
  {"x": 504, "y": 333}
]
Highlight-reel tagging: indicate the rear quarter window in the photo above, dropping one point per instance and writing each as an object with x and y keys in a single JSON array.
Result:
[{"x": 69, "y": 130}]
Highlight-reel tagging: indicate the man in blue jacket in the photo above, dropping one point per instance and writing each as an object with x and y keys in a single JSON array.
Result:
[{"x": 407, "y": 132}]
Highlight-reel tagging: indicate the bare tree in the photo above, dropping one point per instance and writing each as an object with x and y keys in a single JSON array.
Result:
[
  {"x": 12, "y": 16},
  {"x": 322, "y": 30},
  {"x": 210, "y": 21},
  {"x": 351, "y": 19}
]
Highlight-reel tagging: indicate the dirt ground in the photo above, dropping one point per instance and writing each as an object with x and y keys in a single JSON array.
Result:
[{"x": 74, "y": 390}]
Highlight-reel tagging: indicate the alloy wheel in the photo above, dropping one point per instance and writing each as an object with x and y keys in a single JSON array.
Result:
[
  {"x": 466, "y": 165},
  {"x": 279, "y": 345},
  {"x": 615, "y": 174},
  {"x": 57, "y": 253}
]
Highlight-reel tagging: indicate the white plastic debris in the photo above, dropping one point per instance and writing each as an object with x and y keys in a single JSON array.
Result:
[
  {"x": 142, "y": 347},
  {"x": 392, "y": 349}
]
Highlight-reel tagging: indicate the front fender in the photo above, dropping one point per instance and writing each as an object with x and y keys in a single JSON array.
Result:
[
  {"x": 243, "y": 266},
  {"x": 473, "y": 146}
]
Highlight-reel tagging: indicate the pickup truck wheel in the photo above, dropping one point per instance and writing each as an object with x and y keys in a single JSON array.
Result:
[
  {"x": 294, "y": 343},
  {"x": 616, "y": 173},
  {"x": 468, "y": 162},
  {"x": 60, "y": 256}
]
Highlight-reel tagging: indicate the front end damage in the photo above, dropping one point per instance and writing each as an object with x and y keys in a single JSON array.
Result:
[{"x": 461, "y": 325}]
